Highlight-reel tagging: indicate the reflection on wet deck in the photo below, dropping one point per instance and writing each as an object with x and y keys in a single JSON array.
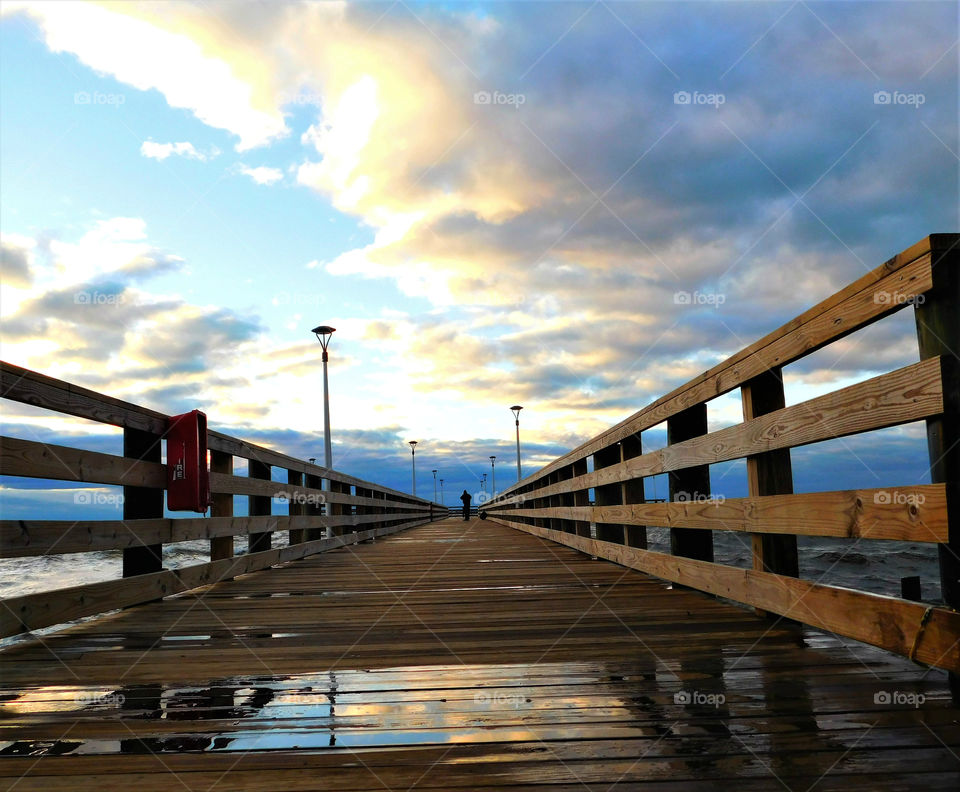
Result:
[{"x": 447, "y": 667}]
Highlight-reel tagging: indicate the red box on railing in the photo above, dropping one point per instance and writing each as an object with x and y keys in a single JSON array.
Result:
[{"x": 188, "y": 479}]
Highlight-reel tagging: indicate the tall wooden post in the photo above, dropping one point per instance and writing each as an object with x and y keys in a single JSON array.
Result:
[
  {"x": 295, "y": 505},
  {"x": 938, "y": 333},
  {"x": 769, "y": 473},
  {"x": 608, "y": 494},
  {"x": 581, "y": 498},
  {"x": 142, "y": 503},
  {"x": 632, "y": 492},
  {"x": 221, "y": 546},
  {"x": 313, "y": 509},
  {"x": 259, "y": 506},
  {"x": 690, "y": 483}
]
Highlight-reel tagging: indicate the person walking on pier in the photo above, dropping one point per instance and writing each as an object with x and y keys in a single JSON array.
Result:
[{"x": 466, "y": 505}]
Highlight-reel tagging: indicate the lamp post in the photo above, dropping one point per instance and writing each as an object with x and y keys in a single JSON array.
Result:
[
  {"x": 483, "y": 483},
  {"x": 493, "y": 475},
  {"x": 323, "y": 333},
  {"x": 516, "y": 414},
  {"x": 413, "y": 461},
  {"x": 441, "y": 493},
  {"x": 434, "y": 486}
]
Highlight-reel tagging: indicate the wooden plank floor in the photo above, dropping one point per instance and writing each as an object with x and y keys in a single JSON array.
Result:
[{"x": 462, "y": 656}]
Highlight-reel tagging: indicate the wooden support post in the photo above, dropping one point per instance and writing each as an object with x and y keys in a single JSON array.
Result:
[
  {"x": 689, "y": 483},
  {"x": 565, "y": 499},
  {"x": 295, "y": 505},
  {"x": 769, "y": 473},
  {"x": 581, "y": 498},
  {"x": 221, "y": 546},
  {"x": 259, "y": 505},
  {"x": 632, "y": 492},
  {"x": 608, "y": 494},
  {"x": 313, "y": 509},
  {"x": 938, "y": 334},
  {"x": 142, "y": 503}
]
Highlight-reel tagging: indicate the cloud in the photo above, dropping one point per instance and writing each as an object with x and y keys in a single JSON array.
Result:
[
  {"x": 16, "y": 253},
  {"x": 149, "y": 49},
  {"x": 261, "y": 174},
  {"x": 160, "y": 151}
]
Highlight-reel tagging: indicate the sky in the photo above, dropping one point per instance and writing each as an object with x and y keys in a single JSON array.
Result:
[{"x": 493, "y": 203}]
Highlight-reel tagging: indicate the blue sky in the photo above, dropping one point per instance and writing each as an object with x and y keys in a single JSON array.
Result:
[{"x": 219, "y": 178}]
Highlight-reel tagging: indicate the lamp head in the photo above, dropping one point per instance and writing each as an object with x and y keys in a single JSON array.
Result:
[
  {"x": 516, "y": 411},
  {"x": 323, "y": 333}
]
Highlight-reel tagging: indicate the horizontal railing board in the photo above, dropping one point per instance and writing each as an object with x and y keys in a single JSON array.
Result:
[
  {"x": 888, "y": 622},
  {"x": 48, "y": 461},
  {"x": 31, "y": 387},
  {"x": 914, "y": 514},
  {"x": 908, "y": 394},
  {"x": 244, "y": 485},
  {"x": 906, "y": 275},
  {"x": 35, "y": 611},
  {"x": 21, "y": 538}
]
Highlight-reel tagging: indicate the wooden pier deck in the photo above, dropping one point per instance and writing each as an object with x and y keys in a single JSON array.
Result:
[{"x": 464, "y": 656}]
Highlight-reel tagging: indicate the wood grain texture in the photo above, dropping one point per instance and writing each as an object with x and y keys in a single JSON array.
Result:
[
  {"x": 890, "y": 623},
  {"x": 462, "y": 656}
]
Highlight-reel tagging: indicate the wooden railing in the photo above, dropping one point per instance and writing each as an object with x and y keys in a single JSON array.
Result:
[
  {"x": 319, "y": 501},
  {"x": 555, "y": 502}
]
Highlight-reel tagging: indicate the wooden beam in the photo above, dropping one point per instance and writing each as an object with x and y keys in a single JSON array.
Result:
[
  {"x": 690, "y": 483},
  {"x": 46, "y": 460},
  {"x": 769, "y": 473},
  {"x": 221, "y": 546},
  {"x": 938, "y": 334},
  {"x": 260, "y": 505},
  {"x": 141, "y": 503},
  {"x": 632, "y": 492},
  {"x": 908, "y": 514},
  {"x": 907, "y": 628}
]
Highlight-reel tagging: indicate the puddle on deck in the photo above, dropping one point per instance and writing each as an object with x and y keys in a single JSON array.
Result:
[{"x": 421, "y": 705}]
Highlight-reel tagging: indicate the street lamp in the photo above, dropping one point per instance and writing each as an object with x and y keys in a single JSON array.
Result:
[
  {"x": 483, "y": 482},
  {"x": 312, "y": 460},
  {"x": 434, "y": 486},
  {"x": 516, "y": 414},
  {"x": 493, "y": 475},
  {"x": 413, "y": 460},
  {"x": 441, "y": 493},
  {"x": 323, "y": 333}
]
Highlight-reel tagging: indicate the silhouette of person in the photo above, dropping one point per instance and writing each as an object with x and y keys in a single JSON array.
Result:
[{"x": 466, "y": 505}]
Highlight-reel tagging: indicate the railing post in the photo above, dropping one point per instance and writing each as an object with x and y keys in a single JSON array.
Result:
[
  {"x": 581, "y": 498},
  {"x": 689, "y": 482},
  {"x": 221, "y": 546},
  {"x": 294, "y": 505},
  {"x": 769, "y": 473},
  {"x": 632, "y": 492},
  {"x": 938, "y": 334},
  {"x": 313, "y": 509},
  {"x": 608, "y": 494},
  {"x": 142, "y": 503},
  {"x": 260, "y": 505}
]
